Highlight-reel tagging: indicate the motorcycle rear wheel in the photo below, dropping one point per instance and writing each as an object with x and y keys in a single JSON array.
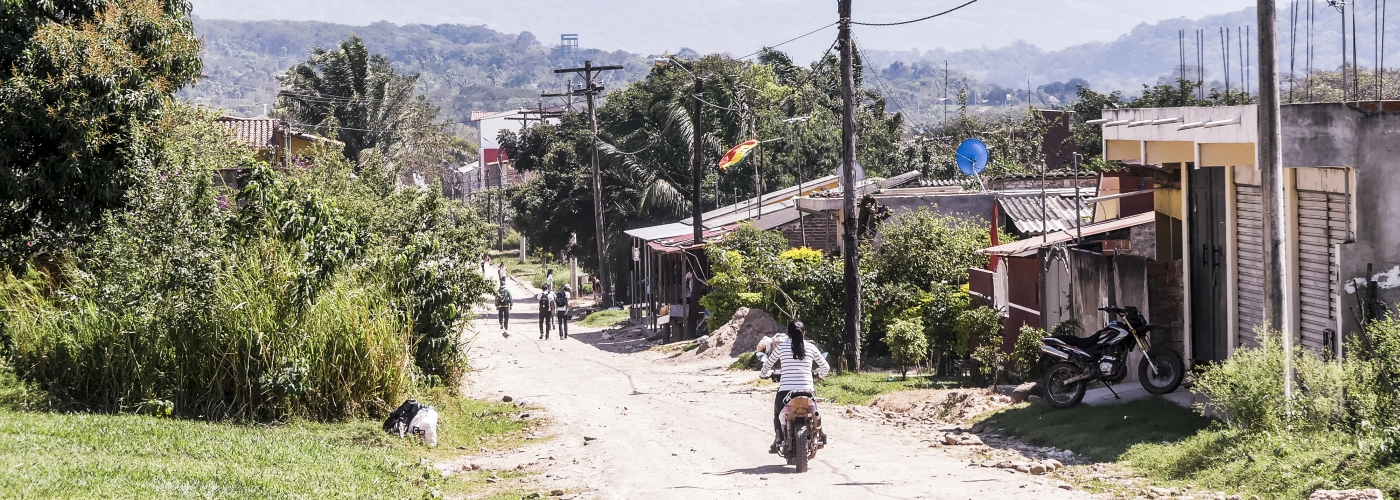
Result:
[
  {"x": 799, "y": 449},
  {"x": 1170, "y": 371},
  {"x": 1057, "y": 393}
]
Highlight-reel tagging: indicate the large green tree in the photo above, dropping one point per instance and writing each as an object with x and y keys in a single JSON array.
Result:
[
  {"x": 360, "y": 99},
  {"x": 79, "y": 83}
]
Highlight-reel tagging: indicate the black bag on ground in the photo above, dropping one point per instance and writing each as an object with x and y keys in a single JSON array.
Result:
[{"x": 398, "y": 421}]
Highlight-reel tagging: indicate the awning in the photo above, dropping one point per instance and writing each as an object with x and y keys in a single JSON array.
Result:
[
  {"x": 1030, "y": 245},
  {"x": 657, "y": 232},
  {"x": 687, "y": 241}
]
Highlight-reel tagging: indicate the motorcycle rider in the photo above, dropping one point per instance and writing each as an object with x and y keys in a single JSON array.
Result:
[{"x": 798, "y": 356}]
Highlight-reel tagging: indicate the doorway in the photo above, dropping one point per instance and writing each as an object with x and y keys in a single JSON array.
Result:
[{"x": 1206, "y": 256}]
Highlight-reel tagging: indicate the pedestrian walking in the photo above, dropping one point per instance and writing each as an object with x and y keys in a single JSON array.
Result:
[
  {"x": 561, "y": 309},
  {"x": 503, "y": 304},
  {"x": 597, "y": 288},
  {"x": 501, "y": 272},
  {"x": 547, "y": 307},
  {"x": 485, "y": 261}
]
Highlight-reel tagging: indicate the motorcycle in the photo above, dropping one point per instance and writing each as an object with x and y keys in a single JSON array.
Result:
[
  {"x": 802, "y": 430},
  {"x": 1073, "y": 362}
]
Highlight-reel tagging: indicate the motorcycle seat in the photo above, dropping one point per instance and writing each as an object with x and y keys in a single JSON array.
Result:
[
  {"x": 1083, "y": 343},
  {"x": 796, "y": 394}
]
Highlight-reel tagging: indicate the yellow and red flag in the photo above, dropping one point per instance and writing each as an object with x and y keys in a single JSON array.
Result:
[{"x": 737, "y": 154}]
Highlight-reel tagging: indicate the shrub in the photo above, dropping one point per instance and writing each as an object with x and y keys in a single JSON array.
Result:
[
  {"x": 907, "y": 343},
  {"x": 1247, "y": 388},
  {"x": 983, "y": 324},
  {"x": 1026, "y": 354}
]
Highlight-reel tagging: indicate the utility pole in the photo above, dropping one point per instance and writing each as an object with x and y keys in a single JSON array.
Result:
[
  {"x": 590, "y": 91},
  {"x": 851, "y": 277},
  {"x": 1271, "y": 178},
  {"x": 697, "y": 170}
]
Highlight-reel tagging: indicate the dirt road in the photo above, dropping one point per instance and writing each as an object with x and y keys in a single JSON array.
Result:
[{"x": 663, "y": 429}]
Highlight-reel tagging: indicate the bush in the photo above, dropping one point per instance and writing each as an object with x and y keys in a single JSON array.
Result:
[
  {"x": 1247, "y": 388},
  {"x": 329, "y": 295},
  {"x": 1026, "y": 355},
  {"x": 983, "y": 324},
  {"x": 907, "y": 343}
]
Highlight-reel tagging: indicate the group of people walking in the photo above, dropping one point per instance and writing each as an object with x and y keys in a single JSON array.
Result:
[{"x": 552, "y": 305}]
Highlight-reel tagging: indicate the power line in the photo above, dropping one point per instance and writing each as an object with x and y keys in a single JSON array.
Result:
[
  {"x": 919, "y": 19},
  {"x": 804, "y": 35}
]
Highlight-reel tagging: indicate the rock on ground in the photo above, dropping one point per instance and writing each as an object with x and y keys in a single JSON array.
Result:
[{"x": 1371, "y": 494}]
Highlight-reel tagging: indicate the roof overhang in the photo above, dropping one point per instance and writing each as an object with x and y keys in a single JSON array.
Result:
[{"x": 1030, "y": 246}]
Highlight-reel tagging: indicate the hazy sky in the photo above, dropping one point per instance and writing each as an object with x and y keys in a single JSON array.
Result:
[{"x": 741, "y": 27}]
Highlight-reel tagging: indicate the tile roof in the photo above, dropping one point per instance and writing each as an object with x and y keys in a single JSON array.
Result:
[
  {"x": 1029, "y": 246},
  {"x": 255, "y": 132}
]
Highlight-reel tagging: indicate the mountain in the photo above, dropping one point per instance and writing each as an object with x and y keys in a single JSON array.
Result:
[{"x": 463, "y": 68}]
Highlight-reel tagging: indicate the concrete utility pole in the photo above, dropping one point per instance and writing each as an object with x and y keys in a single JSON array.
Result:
[
  {"x": 590, "y": 90},
  {"x": 697, "y": 171},
  {"x": 850, "y": 248},
  {"x": 1271, "y": 179}
]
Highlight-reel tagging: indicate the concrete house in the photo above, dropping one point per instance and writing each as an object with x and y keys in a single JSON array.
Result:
[{"x": 1340, "y": 161}]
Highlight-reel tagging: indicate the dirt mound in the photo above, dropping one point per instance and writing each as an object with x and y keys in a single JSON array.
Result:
[
  {"x": 739, "y": 335},
  {"x": 933, "y": 406}
]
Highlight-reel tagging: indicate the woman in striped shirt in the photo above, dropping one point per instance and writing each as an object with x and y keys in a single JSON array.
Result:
[{"x": 797, "y": 356}]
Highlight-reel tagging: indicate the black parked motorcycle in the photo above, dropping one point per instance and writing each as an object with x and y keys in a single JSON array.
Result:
[{"x": 1073, "y": 362}]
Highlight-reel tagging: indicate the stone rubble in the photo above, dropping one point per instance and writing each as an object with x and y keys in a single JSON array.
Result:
[{"x": 1371, "y": 494}]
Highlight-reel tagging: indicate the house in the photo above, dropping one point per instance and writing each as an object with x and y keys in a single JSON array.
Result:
[
  {"x": 274, "y": 140},
  {"x": 1340, "y": 161},
  {"x": 493, "y": 168}
]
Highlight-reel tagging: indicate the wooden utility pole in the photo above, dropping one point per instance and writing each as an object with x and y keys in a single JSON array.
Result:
[
  {"x": 697, "y": 170},
  {"x": 848, "y": 161},
  {"x": 590, "y": 91},
  {"x": 1271, "y": 179}
]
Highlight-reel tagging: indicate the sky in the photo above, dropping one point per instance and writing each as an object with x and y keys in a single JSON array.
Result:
[{"x": 741, "y": 27}]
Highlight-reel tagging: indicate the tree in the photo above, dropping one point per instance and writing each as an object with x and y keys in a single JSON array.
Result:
[
  {"x": 361, "y": 100},
  {"x": 81, "y": 82},
  {"x": 907, "y": 343}
]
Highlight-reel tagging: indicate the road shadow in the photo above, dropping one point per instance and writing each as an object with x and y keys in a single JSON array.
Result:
[
  {"x": 757, "y": 471},
  {"x": 610, "y": 340}
]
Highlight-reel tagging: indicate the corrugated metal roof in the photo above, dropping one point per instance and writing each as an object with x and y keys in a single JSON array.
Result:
[
  {"x": 1030, "y": 245},
  {"x": 1025, "y": 212},
  {"x": 662, "y": 231}
]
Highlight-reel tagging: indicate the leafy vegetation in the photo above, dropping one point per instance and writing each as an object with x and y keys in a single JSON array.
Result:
[
  {"x": 907, "y": 343},
  {"x": 79, "y": 82},
  {"x": 1338, "y": 431},
  {"x": 328, "y": 295},
  {"x": 604, "y": 318}
]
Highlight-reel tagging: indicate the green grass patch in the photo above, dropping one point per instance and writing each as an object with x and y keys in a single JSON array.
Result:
[
  {"x": 605, "y": 318},
  {"x": 56, "y": 455},
  {"x": 1268, "y": 464},
  {"x": 851, "y": 388},
  {"x": 1101, "y": 433},
  {"x": 747, "y": 361}
]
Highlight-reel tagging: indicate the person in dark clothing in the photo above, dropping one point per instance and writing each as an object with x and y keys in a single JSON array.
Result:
[
  {"x": 503, "y": 304},
  {"x": 546, "y": 313},
  {"x": 561, "y": 309}
]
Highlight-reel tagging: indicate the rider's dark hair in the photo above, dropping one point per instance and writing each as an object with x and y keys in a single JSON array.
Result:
[{"x": 796, "y": 334}]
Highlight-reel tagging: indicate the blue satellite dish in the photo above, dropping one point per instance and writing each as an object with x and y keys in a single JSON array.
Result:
[{"x": 972, "y": 156}]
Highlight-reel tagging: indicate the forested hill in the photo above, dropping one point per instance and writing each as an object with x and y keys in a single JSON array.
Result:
[{"x": 463, "y": 68}]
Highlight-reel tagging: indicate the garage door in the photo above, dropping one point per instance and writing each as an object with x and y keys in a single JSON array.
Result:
[
  {"x": 1249, "y": 235},
  {"x": 1322, "y": 224}
]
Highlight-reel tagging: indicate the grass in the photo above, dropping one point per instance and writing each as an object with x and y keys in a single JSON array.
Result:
[
  {"x": 851, "y": 388},
  {"x": 747, "y": 361},
  {"x": 605, "y": 318},
  {"x": 1101, "y": 433},
  {"x": 534, "y": 272},
  {"x": 88, "y": 455},
  {"x": 1271, "y": 465}
]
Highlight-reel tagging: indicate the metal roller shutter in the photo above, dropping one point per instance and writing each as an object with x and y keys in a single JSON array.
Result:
[
  {"x": 1321, "y": 225},
  {"x": 1249, "y": 235}
]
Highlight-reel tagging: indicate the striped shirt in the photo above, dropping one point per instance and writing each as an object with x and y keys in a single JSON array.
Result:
[{"x": 796, "y": 373}]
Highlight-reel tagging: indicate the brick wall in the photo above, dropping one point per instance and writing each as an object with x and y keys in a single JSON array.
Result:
[{"x": 1165, "y": 298}]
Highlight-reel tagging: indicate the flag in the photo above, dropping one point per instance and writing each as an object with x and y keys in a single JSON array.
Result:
[{"x": 737, "y": 154}]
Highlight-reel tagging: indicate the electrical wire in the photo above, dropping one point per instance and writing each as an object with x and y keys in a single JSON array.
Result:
[
  {"x": 804, "y": 35},
  {"x": 916, "y": 20}
]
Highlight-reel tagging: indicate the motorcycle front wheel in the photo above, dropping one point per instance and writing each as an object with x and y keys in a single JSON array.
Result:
[
  {"x": 799, "y": 449},
  {"x": 1059, "y": 394},
  {"x": 1168, "y": 374}
]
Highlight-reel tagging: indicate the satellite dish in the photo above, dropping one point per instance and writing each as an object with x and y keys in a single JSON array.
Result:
[
  {"x": 972, "y": 156},
  {"x": 841, "y": 174}
]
